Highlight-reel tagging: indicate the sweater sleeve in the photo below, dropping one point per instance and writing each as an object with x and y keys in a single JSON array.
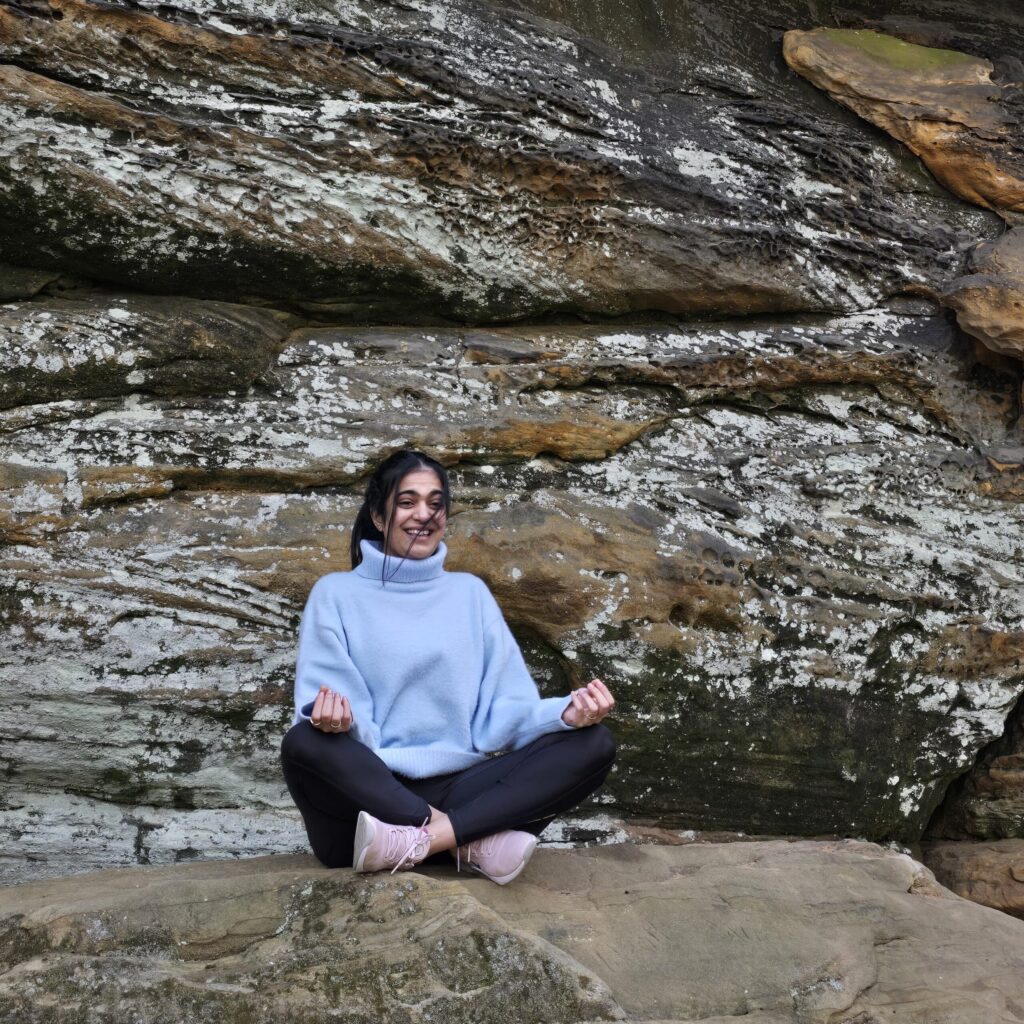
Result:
[
  {"x": 324, "y": 660},
  {"x": 510, "y": 712}
]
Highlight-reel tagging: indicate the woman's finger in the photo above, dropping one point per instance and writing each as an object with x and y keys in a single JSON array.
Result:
[
  {"x": 318, "y": 707},
  {"x": 346, "y": 715},
  {"x": 335, "y": 712},
  {"x": 589, "y": 702},
  {"x": 598, "y": 685},
  {"x": 603, "y": 704},
  {"x": 581, "y": 711}
]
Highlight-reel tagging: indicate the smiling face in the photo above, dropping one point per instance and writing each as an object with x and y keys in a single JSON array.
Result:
[{"x": 417, "y": 516}]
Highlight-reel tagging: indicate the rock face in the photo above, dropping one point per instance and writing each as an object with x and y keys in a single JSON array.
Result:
[
  {"x": 944, "y": 106},
  {"x": 947, "y": 108},
  {"x": 988, "y": 802},
  {"x": 989, "y": 873},
  {"x": 395, "y": 162},
  {"x": 261, "y": 251},
  {"x": 705, "y": 560},
  {"x": 763, "y": 933}
]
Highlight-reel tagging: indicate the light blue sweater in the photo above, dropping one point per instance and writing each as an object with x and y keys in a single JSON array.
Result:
[{"x": 435, "y": 679}]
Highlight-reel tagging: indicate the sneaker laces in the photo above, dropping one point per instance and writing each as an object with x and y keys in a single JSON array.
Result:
[
  {"x": 475, "y": 849},
  {"x": 419, "y": 845}
]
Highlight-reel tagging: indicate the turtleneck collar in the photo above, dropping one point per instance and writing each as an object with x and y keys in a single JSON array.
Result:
[{"x": 398, "y": 569}]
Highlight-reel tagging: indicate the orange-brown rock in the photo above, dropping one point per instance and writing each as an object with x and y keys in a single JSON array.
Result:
[
  {"x": 989, "y": 300},
  {"x": 989, "y": 873},
  {"x": 941, "y": 103}
]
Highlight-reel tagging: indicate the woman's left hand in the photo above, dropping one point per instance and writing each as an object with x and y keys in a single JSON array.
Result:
[{"x": 590, "y": 704}]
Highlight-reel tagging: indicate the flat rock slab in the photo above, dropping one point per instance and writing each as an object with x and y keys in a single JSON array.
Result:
[
  {"x": 763, "y": 932},
  {"x": 770, "y": 932}
]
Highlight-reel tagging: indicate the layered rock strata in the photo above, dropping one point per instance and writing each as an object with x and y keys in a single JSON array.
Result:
[
  {"x": 393, "y": 162},
  {"x": 782, "y": 547},
  {"x": 964, "y": 123}
]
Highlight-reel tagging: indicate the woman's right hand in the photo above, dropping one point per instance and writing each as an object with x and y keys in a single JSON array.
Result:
[{"x": 331, "y": 712}]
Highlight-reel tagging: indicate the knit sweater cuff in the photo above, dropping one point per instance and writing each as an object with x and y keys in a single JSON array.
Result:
[{"x": 562, "y": 703}]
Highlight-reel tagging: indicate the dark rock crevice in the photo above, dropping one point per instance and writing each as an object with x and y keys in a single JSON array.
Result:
[{"x": 986, "y": 802}]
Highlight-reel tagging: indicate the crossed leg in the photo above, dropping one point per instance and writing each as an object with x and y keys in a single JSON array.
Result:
[{"x": 332, "y": 777}]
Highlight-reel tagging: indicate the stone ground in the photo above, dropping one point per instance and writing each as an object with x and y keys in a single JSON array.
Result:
[{"x": 831, "y": 932}]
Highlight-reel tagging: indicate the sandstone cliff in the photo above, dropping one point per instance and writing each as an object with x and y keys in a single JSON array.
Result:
[{"x": 674, "y": 318}]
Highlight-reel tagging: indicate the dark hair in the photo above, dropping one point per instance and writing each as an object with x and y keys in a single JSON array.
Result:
[{"x": 380, "y": 490}]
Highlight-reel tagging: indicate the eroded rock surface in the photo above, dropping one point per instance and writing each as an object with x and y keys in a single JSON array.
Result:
[
  {"x": 944, "y": 106},
  {"x": 788, "y": 541},
  {"x": 989, "y": 300},
  {"x": 772, "y": 933},
  {"x": 988, "y": 801},
  {"x": 829, "y": 933},
  {"x": 105, "y": 347},
  {"x": 783, "y": 545}
]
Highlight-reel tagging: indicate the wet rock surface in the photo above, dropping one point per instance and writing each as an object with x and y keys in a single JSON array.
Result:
[{"x": 776, "y": 933}]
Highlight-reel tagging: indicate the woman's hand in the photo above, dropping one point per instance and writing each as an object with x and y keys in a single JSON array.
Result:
[
  {"x": 589, "y": 705},
  {"x": 331, "y": 712}
]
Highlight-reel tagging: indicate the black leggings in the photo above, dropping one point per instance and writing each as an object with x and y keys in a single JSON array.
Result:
[{"x": 332, "y": 777}]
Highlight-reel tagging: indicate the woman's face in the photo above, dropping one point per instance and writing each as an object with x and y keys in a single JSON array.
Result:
[{"x": 417, "y": 518}]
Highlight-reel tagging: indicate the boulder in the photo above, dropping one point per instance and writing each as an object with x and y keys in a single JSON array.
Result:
[{"x": 765, "y": 932}]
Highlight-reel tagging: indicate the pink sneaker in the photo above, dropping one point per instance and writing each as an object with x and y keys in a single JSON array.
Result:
[
  {"x": 379, "y": 845},
  {"x": 500, "y": 857}
]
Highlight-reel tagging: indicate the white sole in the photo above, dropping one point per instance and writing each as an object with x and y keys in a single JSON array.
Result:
[{"x": 364, "y": 836}]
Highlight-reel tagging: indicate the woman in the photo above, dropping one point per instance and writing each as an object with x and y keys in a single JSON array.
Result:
[{"x": 407, "y": 680}]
